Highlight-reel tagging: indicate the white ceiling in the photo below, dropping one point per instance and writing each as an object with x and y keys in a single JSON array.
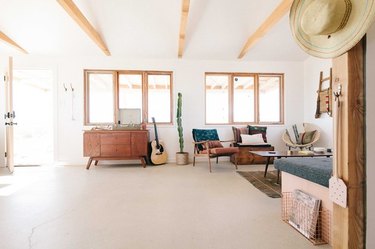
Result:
[{"x": 216, "y": 29}]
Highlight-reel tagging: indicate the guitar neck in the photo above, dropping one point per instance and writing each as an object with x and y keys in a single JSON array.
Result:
[{"x": 156, "y": 133}]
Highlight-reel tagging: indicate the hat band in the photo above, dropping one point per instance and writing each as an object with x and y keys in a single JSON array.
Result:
[{"x": 346, "y": 16}]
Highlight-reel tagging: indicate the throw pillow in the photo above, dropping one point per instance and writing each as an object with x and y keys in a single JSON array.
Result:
[
  {"x": 237, "y": 131},
  {"x": 294, "y": 131},
  {"x": 213, "y": 144},
  {"x": 252, "y": 139},
  {"x": 258, "y": 130},
  {"x": 204, "y": 135},
  {"x": 306, "y": 137}
]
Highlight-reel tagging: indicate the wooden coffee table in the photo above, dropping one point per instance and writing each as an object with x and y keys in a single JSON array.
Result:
[{"x": 290, "y": 153}]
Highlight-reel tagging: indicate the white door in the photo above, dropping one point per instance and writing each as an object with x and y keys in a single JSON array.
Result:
[{"x": 9, "y": 116}]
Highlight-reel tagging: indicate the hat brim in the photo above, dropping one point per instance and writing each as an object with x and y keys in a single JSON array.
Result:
[{"x": 324, "y": 46}]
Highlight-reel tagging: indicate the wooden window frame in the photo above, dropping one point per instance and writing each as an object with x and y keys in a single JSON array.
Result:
[
  {"x": 256, "y": 76},
  {"x": 116, "y": 74},
  {"x": 87, "y": 95}
]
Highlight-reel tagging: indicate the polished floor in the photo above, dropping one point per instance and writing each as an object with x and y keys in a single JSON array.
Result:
[{"x": 118, "y": 207}]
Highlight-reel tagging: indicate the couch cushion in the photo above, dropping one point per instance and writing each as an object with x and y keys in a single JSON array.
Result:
[
  {"x": 258, "y": 130},
  {"x": 318, "y": 170},
  {"x": 252, "y": 139},
  {"x": 222, "y": 151},
  {"x": 237, "y": 131},
  {"x": 293, "y": 132},
  {"x": 213, "y": 144},
  {"x": 306, "y": 137}
]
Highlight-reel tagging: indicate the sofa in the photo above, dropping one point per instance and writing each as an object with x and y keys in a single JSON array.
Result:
[{"x": 256, "y": 140}]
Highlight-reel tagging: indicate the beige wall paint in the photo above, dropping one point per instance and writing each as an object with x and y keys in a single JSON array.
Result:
[{"x": 370, "y": 136}]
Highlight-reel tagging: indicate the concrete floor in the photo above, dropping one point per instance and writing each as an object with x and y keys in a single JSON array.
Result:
[{"x": 167, "y": 206}]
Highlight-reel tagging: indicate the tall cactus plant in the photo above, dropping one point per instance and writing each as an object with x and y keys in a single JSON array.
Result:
[{"x": 179, "y": 122}]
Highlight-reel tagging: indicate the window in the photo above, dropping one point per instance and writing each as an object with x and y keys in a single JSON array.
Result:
[
  {"x": 107, "y": 91},
  {"x": 100, "y": 98},
  {"x": 244, "y": 98},
  {"x": 217, "y": 98},
  {"x": 159, "y": 101}
]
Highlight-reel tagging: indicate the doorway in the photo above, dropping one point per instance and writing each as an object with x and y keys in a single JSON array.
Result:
[{"x": 33, "y": 105}]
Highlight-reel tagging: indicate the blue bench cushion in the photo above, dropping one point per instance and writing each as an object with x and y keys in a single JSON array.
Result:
[{"x": 318, "y": 169}]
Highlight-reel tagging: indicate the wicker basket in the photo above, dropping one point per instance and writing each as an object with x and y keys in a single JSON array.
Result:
[{"x": 182, "y": 158}]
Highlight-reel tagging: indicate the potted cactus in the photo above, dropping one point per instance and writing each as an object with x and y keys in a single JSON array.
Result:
[{"x": 182, "y": 158}]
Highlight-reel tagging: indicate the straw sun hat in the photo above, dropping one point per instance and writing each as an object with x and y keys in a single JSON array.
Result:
[{"x": 329, "y": 28}]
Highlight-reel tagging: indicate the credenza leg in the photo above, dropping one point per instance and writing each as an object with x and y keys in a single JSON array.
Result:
[
  {"x": 143, "y": 161},
  {"x": 96, "y": 162},
  {"x": 89, "y": 163}
]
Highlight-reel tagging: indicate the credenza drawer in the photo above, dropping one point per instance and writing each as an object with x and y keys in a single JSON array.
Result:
[
  {"x": 115, "y": 138},
  {"x": 115, "y": 150}
]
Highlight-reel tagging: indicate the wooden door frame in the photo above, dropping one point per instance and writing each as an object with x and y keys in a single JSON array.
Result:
[
  {"x": 349, "y": 224},
  {"x": 9, "y": 145}
]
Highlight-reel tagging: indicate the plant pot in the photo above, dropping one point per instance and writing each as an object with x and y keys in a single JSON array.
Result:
[{"x": 182, "y": 158}]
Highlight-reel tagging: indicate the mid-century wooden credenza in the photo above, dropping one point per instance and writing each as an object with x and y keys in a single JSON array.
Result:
[{"x": 115, "y": 145}]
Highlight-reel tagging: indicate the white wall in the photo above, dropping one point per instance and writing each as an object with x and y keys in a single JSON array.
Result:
[
  {"x": 312, "y": 68},
  {"x": 370, "y": 135},
  {"x": 188, "y": 79}
]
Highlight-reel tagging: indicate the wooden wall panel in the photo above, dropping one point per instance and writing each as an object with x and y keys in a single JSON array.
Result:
[{"x": 349, "y": 223}]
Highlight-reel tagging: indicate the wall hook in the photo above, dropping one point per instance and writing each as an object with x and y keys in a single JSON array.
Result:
[
  {"x": 66, "y": 89},
  {"x": 338, "y": 93},
  {"x": 71, "y": 87}
]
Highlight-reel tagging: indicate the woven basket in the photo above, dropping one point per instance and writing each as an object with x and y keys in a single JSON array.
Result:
[{"x": 182, "y": 158}]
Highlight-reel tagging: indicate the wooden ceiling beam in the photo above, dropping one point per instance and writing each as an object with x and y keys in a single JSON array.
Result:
[
  {"x": 274, "y": 18},
  {"x": 183, "y": 24},
  {"x": 7, "y": 40},
  {"x": 82, "y": 21}
]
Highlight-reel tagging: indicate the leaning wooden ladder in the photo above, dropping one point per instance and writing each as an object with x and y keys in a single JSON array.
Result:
[{"x": 324, "y": 101}]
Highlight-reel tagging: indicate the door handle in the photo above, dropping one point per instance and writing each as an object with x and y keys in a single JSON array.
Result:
[{"x": 10, "y": 123}]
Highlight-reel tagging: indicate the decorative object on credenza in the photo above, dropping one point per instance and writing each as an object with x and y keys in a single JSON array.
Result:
[
  {"x": 324, "y": 101},
  {"x": 158, "y": 153},
  {"x": 182, "y": 158}
]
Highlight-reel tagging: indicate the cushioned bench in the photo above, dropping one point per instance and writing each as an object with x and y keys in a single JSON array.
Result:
[{"x": 317, "y": 170}]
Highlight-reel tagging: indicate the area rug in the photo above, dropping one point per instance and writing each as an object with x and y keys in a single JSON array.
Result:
[{"x": 267, "y": 185}]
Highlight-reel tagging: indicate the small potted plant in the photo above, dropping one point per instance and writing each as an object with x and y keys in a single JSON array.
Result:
[{"x": 182, "y": 158}]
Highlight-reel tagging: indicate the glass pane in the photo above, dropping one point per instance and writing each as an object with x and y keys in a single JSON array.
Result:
[
  {"x": 269, "y": 99},
  {"x": 243, "y": 99},
  {"x": 101, "y": 98},
  {"x": 159, "y": 98},
  {"x": 217, "y": 99},
  {"x": 130, "y": 91}
]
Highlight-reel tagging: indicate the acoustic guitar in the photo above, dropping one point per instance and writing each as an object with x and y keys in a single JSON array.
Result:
[{"x": 158, "y": 154}]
